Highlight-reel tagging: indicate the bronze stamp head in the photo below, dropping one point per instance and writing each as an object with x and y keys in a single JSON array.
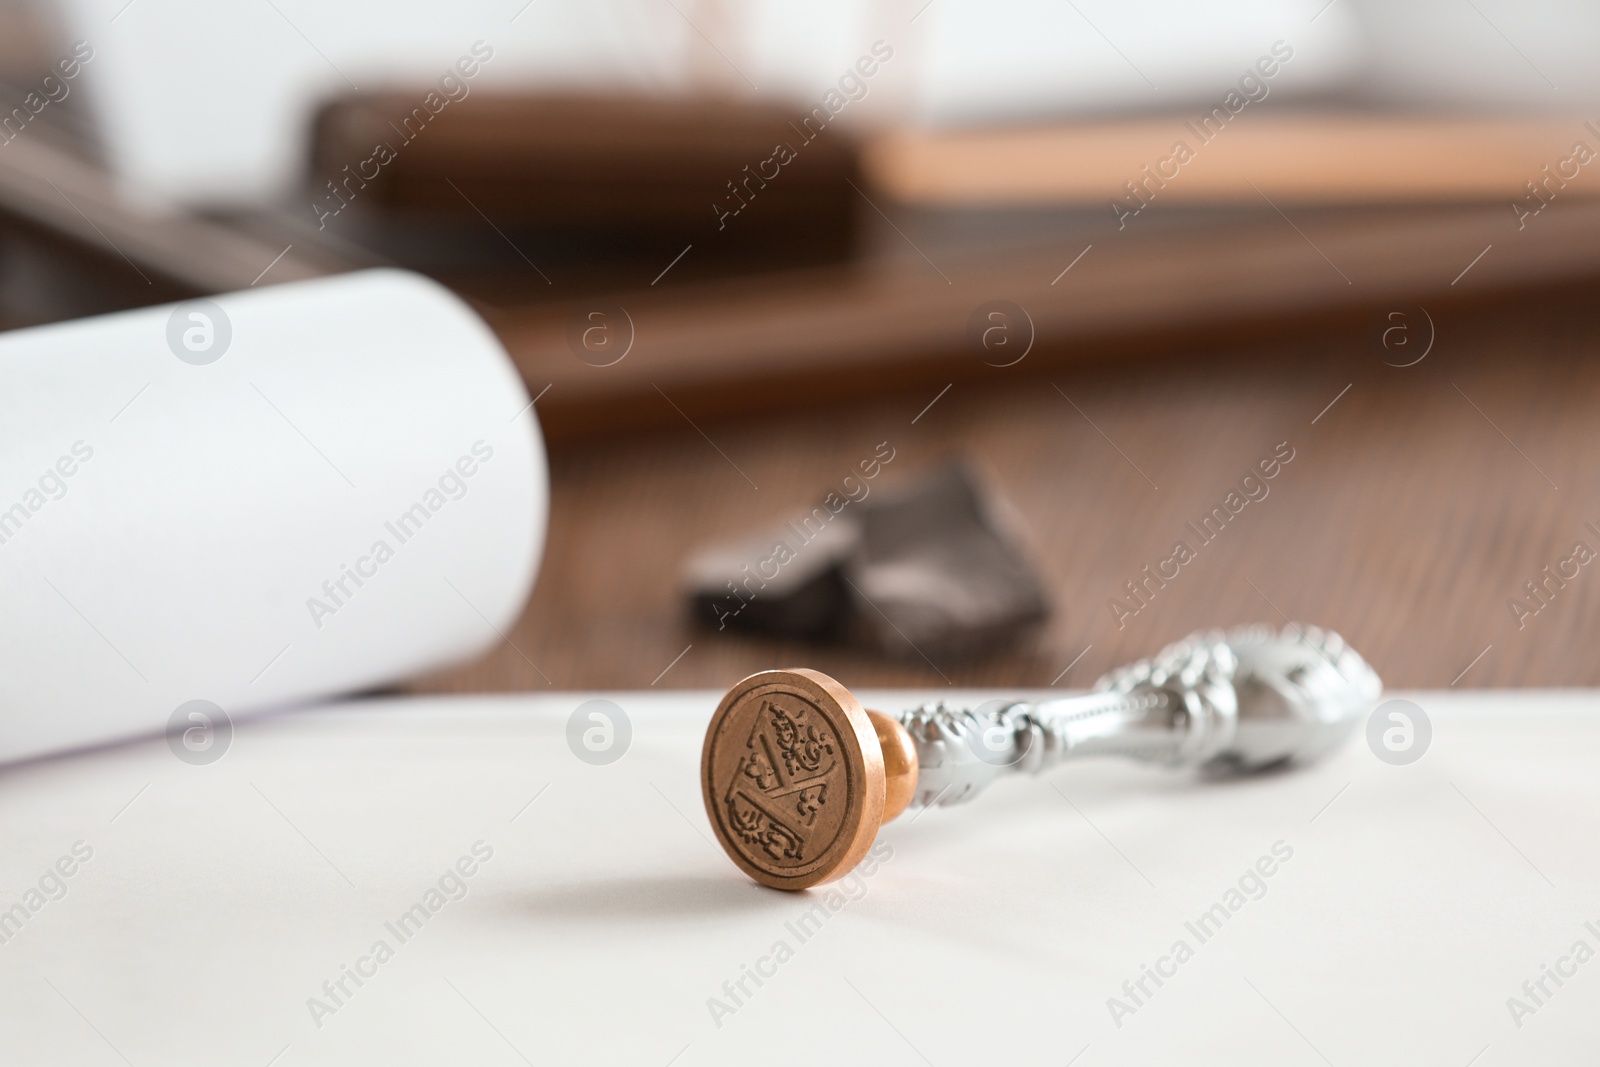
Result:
[{"x": 797, "y": 778}]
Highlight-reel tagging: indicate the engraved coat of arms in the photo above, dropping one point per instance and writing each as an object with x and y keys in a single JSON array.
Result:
[{"x": 782, "y": 781}]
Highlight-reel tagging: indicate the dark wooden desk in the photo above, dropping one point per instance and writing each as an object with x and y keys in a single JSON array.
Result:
[
  {"x": 1415, "y": 509},
  {"x": 1419, "y": 503}
]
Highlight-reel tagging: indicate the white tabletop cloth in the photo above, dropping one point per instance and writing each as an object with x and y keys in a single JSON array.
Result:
[{"x": 208, "y": 905}]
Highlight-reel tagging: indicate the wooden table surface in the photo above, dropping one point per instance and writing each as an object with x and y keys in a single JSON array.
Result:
[{"x": 1418, "y": 502}]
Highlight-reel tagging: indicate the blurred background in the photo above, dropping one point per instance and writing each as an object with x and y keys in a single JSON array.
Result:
[{"x": 1117, "y": 261}]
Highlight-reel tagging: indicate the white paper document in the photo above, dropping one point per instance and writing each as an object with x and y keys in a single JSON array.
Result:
[
  {"x": 267, "y": 497},
  {"x": 445, "y": 881}
]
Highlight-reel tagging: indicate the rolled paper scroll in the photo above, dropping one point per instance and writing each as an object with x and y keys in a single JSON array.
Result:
[{"x": 254, "y": 500}]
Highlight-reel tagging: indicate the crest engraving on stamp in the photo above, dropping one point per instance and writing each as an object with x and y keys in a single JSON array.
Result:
[{"x": 781, "y": 785}]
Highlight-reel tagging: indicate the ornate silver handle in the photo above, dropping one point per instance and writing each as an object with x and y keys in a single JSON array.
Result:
[{"x": 1247, "y": 700}]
